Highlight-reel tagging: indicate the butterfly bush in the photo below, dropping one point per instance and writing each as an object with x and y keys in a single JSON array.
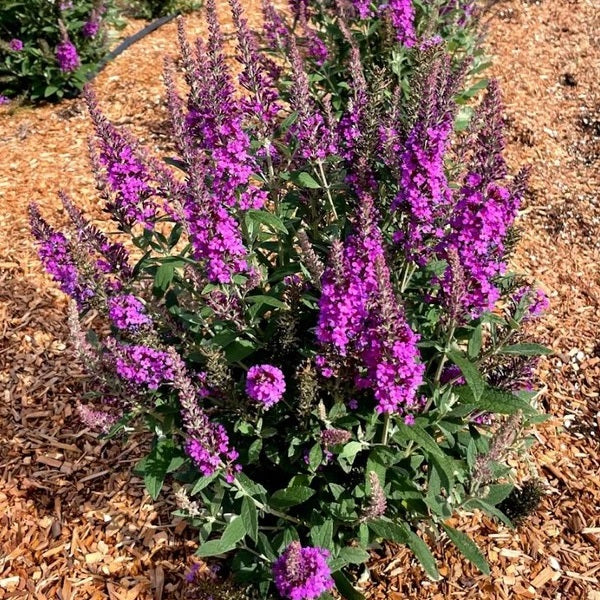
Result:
[
  {"x": 314, "y": 315},
  {"x": 56, "y": 45}
]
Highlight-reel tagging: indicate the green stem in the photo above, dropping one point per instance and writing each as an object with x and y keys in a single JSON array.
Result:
[
  {"x": 409, "y": 271},
  {"x": 264, "y": 507},
  {"x": 386, "y": 429},
  {"x": 327, "y": 188}
]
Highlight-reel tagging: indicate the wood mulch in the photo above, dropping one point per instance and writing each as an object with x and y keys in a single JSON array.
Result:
[{"x": 75, "y": 523}]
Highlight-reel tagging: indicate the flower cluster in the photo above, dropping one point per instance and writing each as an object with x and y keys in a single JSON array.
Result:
[
  {"x": 265, "y": 384},
  {"x": 127, "y": 312},
  {"x": 141, "y": 365},
  {"x": 307, "y": 323},
  {"x": 402, "y": 16},
  {"x": 482, "y": 218},
  {"x": 359, "y": 314},
  {"x": 424, "y": 195},
  {"x": 57, "y": 256},
  {"x": 125, "y": 174},
  {"x": 302, "y": 573},
  {"x": 67, "y": 56}
]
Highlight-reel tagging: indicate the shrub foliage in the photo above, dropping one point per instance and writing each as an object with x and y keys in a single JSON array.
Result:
[
  {"x": 315, "y": 318},
  {"x": 48, "y": 47}
]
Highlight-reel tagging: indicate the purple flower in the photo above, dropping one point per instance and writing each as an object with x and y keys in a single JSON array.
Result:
[
  {"x": 480, "y": 223},
  {"x": 349, "y": 283},
  {"x": 127, "y": 312},
  {"x": 402, "y": 15},
  {"x": 16, "y": 45},
  {"x": 377, "y": 500},
  {"x": 96, "y": 420},
  {"x": 214, "y": 232},
  {"x": 302, "y": 573},
  {"x": 113, "y": 257},
  {"x": 363, "y": 8},
  {"x": 334, "y": 437},
  {"x": 142, "y": 365},
  {"x": 265, "y": 384},
  {"x": 359, "y": 316},
  {"x": 57, "y": 256},
  {"x": 4, "y": 100},
  {"x": 537, "y": 301},
  {"x": 317, "y": 49},
  {"x": 275, "y": 31},
  {"x": 126, "y": 175},
  {"x": 207, "y": 442},
  {"x": 67, "y": 57},
  {"x": 454, "y": 374},
  {"x": 315, "y": 136},
  {"x": 90, "y": 28},
  {"x": 424, "y": 194},
  {"x": 208, "y": 445}
]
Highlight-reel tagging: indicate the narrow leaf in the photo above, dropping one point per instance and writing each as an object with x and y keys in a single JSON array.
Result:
[
  {"x": 469, "y": 371},
  {"x": 526, "y": 350},
  {"x": 468, "y": 547},
  {"x": 345, "y": 588}
]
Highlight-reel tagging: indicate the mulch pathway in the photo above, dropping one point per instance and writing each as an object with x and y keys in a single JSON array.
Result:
[{"x": 72, "y": 526}]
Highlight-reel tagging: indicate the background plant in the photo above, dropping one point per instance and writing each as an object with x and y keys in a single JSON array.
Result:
[
  {"x": 49, "y": 47},
  {"x": 317, "y": 325},
  {"x": 153, "y": 9}
]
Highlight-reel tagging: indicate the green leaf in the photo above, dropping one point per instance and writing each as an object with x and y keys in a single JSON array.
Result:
[
  {"x": 249, "y": 516},
  {"x": 422, "y": 552},
  {"x": 267, "y": 219},
  {"x": 268, "y": 300},
  {"x": 239, "y": 349},
  {"x": 489, "y": 509},
  {"x": 475, "y": 342},
  {"x": 322, "y": 535},
  {"x": 234, "y": 532},
  {"x": 306, "y": 180},
  {"x": 468, "y": 547},
  {"x": 212, "y": 548},
  {"x": 315, "y": 456},
  {"x": 291, "y": 496},
  {"x": 345, "y": 588},
  {"x": 157, "y": 464},
  {"x": 350, "y": 450},
  {"x": 50, "y": 89},
  {"x": 417, "y": 434},
  {"x": 353, "y": 555},
  {"x": 164, "y": 276},
  {"x": 387, "y": 530},
  {"x": 254, "y": 451},
  {"x": 203, "y": 482},
  {"x": 498, "y": 492},
  {"x": 496, "y": 401},
  {"x": 529, "y": 349},
  {"x": 469, "y": 370}
]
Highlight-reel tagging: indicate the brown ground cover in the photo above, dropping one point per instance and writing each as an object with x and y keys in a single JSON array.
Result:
[{"x": 75, "y": 523}]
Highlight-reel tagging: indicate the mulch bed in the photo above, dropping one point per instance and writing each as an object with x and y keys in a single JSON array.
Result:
[{"x": 75, "y": 523}]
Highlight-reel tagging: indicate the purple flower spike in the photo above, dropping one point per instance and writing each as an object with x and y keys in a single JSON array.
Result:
[
  {"x": 127, "y": 312},
  {"x": 302, "y": 573},
  {"x": 142, "y": 365},
  {"x": 265, "y": 384},
  {"x": 402, "y": 16},
  {"x": 56, "y": 254},
  {"x": 16, "y": 45},
  {"x": 90, "y": 28},
  {"x": 67, "y": 57}
]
